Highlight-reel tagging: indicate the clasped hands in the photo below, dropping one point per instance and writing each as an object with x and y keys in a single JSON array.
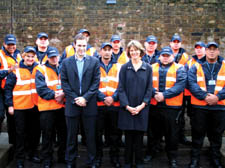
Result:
[
  {"x": 80, "y": 101},
  {"x": 159, "y": 96},
  {"x": 135, "y": 110},
  {"x": 108, "y": 101},
  {"x": 211, "y": 99}
]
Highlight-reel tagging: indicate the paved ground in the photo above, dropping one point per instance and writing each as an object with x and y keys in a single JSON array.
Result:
[{"x": 159, "y": 162}]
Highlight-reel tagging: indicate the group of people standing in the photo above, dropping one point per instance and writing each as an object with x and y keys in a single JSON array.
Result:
[{"x": 136, "y": 90}]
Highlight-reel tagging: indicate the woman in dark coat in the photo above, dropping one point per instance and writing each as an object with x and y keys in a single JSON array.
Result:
[{"x": 135, "y": 90}]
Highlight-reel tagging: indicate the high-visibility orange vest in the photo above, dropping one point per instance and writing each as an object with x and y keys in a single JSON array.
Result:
[
  {"x": 70, "y": 51},
  {"x": 184, "y": 59},
  {"x": 170, "y": 82},
  {"x": 34, "y": 91},
  {"x": 109, "y": 82},
  {"x": 91, "y": 51},
  {"x": 7, "y": 62},
  {"x": 52, "y": 80},
  {"x": 22, "y": 92},
  {"x": 123, "y": 58},
  {"x": 189, "y": 63},
  {"x": 220, "y": 84}
]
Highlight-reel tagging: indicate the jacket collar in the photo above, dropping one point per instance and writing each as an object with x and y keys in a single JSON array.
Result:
[
  {"x": 8, "y": 54},
  {"x": 143, "y": 66}
]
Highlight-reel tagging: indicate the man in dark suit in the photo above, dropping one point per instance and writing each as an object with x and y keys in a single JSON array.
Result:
[{"x": 80, "y": 77}]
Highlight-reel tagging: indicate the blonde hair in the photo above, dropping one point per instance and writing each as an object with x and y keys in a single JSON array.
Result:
[{"x": 136, "y": 44}]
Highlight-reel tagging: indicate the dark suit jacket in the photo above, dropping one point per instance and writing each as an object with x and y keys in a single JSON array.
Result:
[{"x": 71, "y": 85}]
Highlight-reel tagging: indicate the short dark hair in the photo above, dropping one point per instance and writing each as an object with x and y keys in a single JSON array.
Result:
[{"x": 79, "y": 36}]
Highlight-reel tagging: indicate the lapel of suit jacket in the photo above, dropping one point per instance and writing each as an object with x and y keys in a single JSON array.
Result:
[
  {"x": 73, "y": 65},
  {"x": 86, "y": 64}
]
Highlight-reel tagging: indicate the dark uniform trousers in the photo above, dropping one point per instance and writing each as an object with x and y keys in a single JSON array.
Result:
[
  {"x": 10, "y": 127},
  {"x": 186, "y": 108},
  {"x": 152, "y": 141},
  {"x": 89, "y": 123},
  {"x": 50, "y": 120},
  {"x": 211, "y": 123},
  {"x": 165, "y": 120},
  {"x": 108, "y": 116},
  {"x": 27, "y": 132}
]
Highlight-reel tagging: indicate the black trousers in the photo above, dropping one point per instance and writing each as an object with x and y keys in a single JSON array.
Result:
[
  {"x": 27, "y": 132},
  {"x": 48, "y": 120},
  {"x": 89, "y": 123},
  {"x": 108, "y": 116},
  {"x": 211, "y": 123},
  {"x": 11, "y": 128},
  {"x": 152, "y": 141},
  {"x": 165, "y": 120},
  {"x": 187, "y": 107},
  {"x": 133, "y": 147}
]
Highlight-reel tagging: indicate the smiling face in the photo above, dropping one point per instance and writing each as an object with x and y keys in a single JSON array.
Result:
[
  {"x": 81, "y": 46},
  {"x": 135, "y": 53},
  {"x": 29, "y": 58},
  {"x": 11, "y": 48}
]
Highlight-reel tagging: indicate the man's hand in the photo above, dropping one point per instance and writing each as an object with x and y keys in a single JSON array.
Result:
[
  {"x": 211, "y": 99},
  {"x": 59, "y": 96},
  {"x": 12, "y": 68},
  {"x": 159, "y": 97},
  {"x": 108, "y": 101},
  {"x": 11, "y": 110},
  {"x": 80, "y": 101}
]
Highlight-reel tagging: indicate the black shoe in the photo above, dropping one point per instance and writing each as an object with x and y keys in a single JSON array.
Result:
[
  {"x": 19, "y": 165},
  {"x": 34, "y": 159},
  {"x": 173, "y": 163},
  {"x": 147, "y": 159},
  {"x": 194, "y": 163},
  {"x": 216, "y": 163},
  {"x": 185, "y": 141}
]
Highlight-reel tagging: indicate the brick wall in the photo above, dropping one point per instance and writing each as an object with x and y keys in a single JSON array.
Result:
[{"x": 194, "y": 20}]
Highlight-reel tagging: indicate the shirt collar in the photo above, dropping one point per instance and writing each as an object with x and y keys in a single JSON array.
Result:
[{"x": 79, "y": 59}]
